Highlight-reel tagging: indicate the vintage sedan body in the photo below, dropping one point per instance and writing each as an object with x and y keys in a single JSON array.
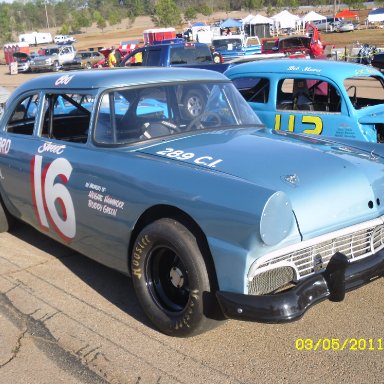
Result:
[
  {"x": 336, "y": 99},
  {"x": 212, "y": 216}
]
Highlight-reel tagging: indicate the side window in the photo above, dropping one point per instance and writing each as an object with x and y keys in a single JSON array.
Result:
[
  {"x": 202, "y": 55},
  {"x": 356, "y": 88},
  {"x": 115, "y": 120},
  {"x": 253, "y": 89},
  {"x": 305, "y": 94},
  {"x": 136, "y": 59},
  {"x": 67, "y": 117},
  {"x": 153, "y": 57},
  {"x": 134, "y": 114},
  {"x": 178, "y": 56},
  {"x": 22, "y": 119}
]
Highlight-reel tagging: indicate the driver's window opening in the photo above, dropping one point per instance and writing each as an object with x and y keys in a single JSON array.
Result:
[
  {"x": 22, "y": 119},
  {"x": 307, "y": 94}
]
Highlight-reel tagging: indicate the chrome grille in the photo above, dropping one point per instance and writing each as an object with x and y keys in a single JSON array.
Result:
[
  {"x": 270, "y": 280},
  {"x": 355, "y": 245}
]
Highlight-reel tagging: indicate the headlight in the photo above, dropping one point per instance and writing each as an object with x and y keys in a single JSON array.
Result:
[{"x": 276, "y": 219}]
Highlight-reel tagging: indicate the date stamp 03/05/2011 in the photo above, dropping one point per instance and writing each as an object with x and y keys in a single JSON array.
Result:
[{"x": 337, "y": 344}]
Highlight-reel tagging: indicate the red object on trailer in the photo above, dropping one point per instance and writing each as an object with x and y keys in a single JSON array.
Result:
[
  {"x": 158, "y": 34},
  {"x": 11, "y": 48}
]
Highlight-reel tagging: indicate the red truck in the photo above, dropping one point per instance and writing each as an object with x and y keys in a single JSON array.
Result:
[{"x": 308, "y": 45}]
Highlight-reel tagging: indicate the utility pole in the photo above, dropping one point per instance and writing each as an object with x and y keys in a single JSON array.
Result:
[{"x": 46, "y": 13}]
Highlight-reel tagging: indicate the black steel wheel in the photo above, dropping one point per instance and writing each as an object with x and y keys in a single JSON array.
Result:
[{"x": 170, "y": 278}]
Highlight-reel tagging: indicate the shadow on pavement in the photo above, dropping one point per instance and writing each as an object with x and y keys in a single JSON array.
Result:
[{"x": 114, "y": 286}]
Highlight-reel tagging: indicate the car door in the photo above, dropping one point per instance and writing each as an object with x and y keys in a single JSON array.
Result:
[
  {"x": 297, "y": 104},
  {"x": 54, "y": 180},
  {"x": 23, "y": 170},
  {"x": 311, "y": 105}
]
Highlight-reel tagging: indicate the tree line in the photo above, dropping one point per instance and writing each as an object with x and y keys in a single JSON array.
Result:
[{"x": 73, "y": 16}]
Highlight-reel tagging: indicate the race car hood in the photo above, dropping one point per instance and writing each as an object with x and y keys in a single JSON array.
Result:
[{"x": 329, "y": 185}]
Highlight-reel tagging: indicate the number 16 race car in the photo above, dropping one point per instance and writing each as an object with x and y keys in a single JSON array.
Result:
[{"x": 213, "y": 216}]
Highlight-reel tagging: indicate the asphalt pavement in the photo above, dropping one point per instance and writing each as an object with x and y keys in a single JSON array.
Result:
[{"x": 67, "y": 319}]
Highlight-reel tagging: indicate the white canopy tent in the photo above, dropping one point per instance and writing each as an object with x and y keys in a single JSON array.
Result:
[
  {"x": 312, "y": 16},
  {"x": 247, "y": 18},
  {"x": 260, "y": 19},
  {"x": 257, "y": 25},
  {"x": 285, "y": 19},
  {"x": 376, "y": 16}
]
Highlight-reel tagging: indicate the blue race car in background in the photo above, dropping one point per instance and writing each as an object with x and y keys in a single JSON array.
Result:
[
  {"x": 327, "y": 98},
  {"x": 213, "y": 216}
]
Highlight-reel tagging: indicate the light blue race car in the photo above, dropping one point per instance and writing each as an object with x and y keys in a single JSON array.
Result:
[
  {"x": 213, "y": 216},
  {"x": 328, "y": 98}
]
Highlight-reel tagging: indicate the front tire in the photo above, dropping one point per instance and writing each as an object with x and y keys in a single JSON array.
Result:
[
  {"x": 170, "y": 278},
  {"x": 56, "y": 66}
]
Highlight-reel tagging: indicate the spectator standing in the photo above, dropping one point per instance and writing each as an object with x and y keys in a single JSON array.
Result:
[
  {"x": 112, "y": 59},
  {"x": 118, "y": 57}
]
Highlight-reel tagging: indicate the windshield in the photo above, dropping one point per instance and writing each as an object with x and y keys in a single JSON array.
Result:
[
  {"x": 51, "y": 51},
  {"x": 140, "y": 114},
  {"x": 364, "y": 91},
  {"x": 227, "y": 44}
]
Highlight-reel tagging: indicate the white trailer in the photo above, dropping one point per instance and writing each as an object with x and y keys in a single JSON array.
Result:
[{"x": 35, "y": 38}]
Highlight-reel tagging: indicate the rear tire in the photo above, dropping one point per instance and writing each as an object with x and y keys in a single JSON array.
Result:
[{"x": 170, "y": 278}]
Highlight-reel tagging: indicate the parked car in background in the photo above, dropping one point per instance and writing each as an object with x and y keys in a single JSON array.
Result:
[
  {"x": 196, "y": 55},
  {"x": 4, "y": 95},
  {"x": 83, "y": 60},
  {"x": 52, "y": 58},
  {"x": 326, "y": 24},
  {"x": 343, "y": 26},
  {"x": 377, "y": 60},
  {"x": 64, "y": 39},
  {"x": 299, "y": 46},
  {"x": 24, "y": 61},
  {"x": 213, "y": 216},
  {"x": 328, "y": 98},
  {"x": 234, "y": 46},
  {"x": 292, "y": 46}
]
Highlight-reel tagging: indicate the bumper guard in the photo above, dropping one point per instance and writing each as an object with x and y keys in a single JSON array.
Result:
[{"x": 339, "y": 277}]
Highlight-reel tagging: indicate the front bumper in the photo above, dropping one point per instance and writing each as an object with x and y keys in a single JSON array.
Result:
[
  {"x": 42, "y": 67},
  {"x": 339, "y": 277}
]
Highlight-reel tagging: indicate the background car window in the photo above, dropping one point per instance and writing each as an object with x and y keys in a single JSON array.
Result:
[
  {"x": 153, "y": 57},
  {"x": 22, "y": 119},
  {"x": 253, "y": 89},
  {"x": 306, "y": 94}
]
